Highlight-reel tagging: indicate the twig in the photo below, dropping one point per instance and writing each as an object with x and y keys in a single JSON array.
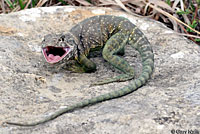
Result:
[
  {"x": 186, "y": 32},
  {"x": 182, "y": 34}
]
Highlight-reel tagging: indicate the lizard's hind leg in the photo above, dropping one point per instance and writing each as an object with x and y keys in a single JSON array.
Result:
[{"x": 112, "y": 47}]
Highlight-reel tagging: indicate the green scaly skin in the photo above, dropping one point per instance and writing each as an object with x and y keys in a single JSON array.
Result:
[{"x": 111, "y": 34}]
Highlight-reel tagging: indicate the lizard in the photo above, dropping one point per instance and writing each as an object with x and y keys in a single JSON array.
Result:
[{"x": 104, "y": 32}]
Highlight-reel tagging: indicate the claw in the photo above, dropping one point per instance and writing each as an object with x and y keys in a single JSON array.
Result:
[
  {"x": 99, "y": 83},
  {"x": 120, "y": 78}
]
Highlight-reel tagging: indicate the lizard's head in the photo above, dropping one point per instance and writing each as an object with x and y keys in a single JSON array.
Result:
[{"x": 58, "y": 48}]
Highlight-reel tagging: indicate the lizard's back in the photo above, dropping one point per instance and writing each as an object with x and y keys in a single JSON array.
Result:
[{"x": 94, "y": 32}]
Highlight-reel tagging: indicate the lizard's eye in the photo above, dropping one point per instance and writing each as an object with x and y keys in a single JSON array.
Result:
[{"x": 62, "y": 38}]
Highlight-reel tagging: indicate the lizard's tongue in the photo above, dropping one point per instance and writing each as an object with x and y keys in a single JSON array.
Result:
[{"x": 53, "y": 58}]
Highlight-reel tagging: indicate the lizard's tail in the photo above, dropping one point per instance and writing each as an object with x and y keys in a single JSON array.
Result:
[{"x": 143, "y": 47}]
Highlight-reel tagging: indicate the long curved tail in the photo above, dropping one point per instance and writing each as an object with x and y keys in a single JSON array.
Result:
[{"x": 141, "y": 44}]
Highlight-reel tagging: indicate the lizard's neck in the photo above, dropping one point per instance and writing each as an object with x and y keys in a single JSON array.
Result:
[{"x": 74, "y": 42}]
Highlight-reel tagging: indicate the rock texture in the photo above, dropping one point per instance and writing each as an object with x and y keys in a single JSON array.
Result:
[{"x": 30, "y": 88}]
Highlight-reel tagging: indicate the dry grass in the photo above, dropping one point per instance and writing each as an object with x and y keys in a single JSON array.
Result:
[{"x": 183, "y": 16}]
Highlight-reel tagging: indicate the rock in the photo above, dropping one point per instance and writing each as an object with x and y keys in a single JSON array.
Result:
[{"x": 30, "y": 88}]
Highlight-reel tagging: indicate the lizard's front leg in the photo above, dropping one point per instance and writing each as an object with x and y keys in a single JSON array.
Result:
[
  {"x": 82, "y": 65},
  {"x": 74, "y": 66},
  {"x": 86, "y": 63}
]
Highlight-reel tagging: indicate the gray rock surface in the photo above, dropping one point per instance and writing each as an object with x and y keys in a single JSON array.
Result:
[{"x": 31, "y": 89}]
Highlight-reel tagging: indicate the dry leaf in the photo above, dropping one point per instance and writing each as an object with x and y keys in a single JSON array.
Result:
[
  {"x": 107, "y": 2},
  {"x": 161, "y": 4},
  {"x": 7, "y": 30},
  {"x": 122, "y": 6},
  {"x": 83, "y": 2},
  {"x": 138, "y": 3}
]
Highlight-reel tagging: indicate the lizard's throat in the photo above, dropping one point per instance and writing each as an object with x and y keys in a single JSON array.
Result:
[{"x": 55, "y": 54}]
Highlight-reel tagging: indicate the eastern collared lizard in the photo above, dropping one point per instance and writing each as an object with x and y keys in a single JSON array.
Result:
[{"x": 110, "y": 33}]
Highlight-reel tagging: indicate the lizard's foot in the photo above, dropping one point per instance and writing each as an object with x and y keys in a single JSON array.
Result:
[
  {"x": 120, "y": 78},
  {"x": 74, "y": 66},
  {"x": 75, "y": 69}
]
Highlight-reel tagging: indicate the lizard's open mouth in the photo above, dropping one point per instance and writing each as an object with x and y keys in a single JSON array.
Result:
[{"x": 55, "y": 54}]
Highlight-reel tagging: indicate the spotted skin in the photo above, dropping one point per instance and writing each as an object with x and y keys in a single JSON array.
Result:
[{"x": 111, "y": 34}]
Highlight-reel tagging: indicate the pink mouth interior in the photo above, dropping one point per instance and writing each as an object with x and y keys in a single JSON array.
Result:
[{"x": 55, "y": 54}]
